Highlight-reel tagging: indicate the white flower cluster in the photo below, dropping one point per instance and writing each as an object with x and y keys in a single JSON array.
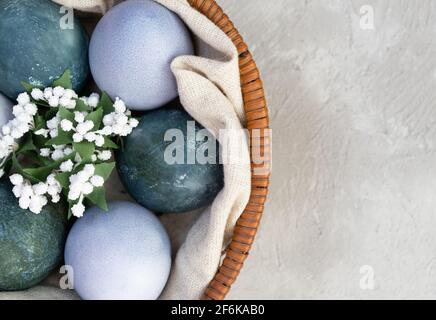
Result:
[
  {"x": 56, "y": 97},
  {"x": 16, "y": 128},
  {"x": 81, "y": 185},
  {"x": 34, "y": 197},
  {"x": 79, "y": 127}
]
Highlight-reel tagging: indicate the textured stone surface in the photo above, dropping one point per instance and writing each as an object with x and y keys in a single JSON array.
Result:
[
  {"x": 30, "y": 245},
  {"x": 124, "y": 253},
  {"x": 154, "y": 183},
  {"x": 34, "y": 47},
  {"x": 131, "y": 51}
]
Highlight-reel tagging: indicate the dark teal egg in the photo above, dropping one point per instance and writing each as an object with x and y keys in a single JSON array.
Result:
[
  {"x": 31, "y": 245},
  {"x": 34, "y": 47},
  {"x": 156, "y": 183}
]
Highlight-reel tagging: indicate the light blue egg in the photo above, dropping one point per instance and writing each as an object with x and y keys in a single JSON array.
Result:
[
  {"x": 120, "y": 254},
  {"x": 131, "y": 50},
  {"x": 5, "y": 110}
]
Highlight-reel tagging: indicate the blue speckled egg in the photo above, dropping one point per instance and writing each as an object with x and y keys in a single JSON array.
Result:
[
  {"x": 34, "y": 47},
  {"x": 5, "y": 110},
  {"x": 158, "y": 184},
  {"x": 121, "y": 254},
  {"x": 131, "y": 50}
]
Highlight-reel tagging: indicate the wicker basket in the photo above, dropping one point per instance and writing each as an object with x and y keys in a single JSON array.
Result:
[{"x": 257, "y": 118}]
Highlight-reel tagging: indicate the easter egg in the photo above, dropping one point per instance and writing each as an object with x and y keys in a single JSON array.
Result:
[
  {"x": 121, "y": 254},
  {"x": 38, "y": 42},
  {"x": 5, "y": 110},
  {"x": 31, "y": 245},
  {"x": 131, "y": 50},
  {"x": 158, "y": 181}
]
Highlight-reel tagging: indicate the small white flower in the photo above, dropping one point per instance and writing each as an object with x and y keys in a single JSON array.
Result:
[
  {"x": 58, "y": 91},
  {"x": 51, "y": 179},
  {"x": 42, "y": 132},
  {"x": 69, "y": 94},
  {"x": 89, "y": 125},
  {"x": 44, "y": 152},
  {"x": 74, "y": 193},
  {"x": 133, "y": 122},
  {"x": 97, "y": 181},
  {"x": 24, "y": 202},
  {"x": 6, "y": 129},
  {"x": 23, "y": 98},
  {"x": 105, "y": 155},
  {"x": 31, "y": 109},
  {"x": 68, "y": 151},
  {"x": 55, "y": 198},
  {"x": 67, "y": 166},
  {"x": 65, "y": 102},
  {"x": 77, "y": 137},
  {"x": 91, "y": 136},
  {"x": 37, "y": 94},
  {"x": 119, "y": 106},
  {"x": 121, "y": 119},
  {"x": 53, "y": 101},
  {"x": 16, "y": 179},
  {"x": 54, "y": 133},
  {"x": 93, "y": 158},
  {"x": 108, "y": 120},
  {"x": 66, "y": 125},
  {"x": 8, "y": 140},
  {"x": 17, "y": 110},
  {"x": 48, "y": 92},
  {"x": 40, "y": 188},
  {"x": 126, "y": 131},
  {"x": 79, "y": 117},
  {"x": 53, "y": 123},
  {"x": 99, "y": 141},
  {"x": 82, "y": 128},
  {"x": 26, "y": 191},
  {"x": 16, "y": 190},
  {"x": 57, "y": 154},
  {"x": 93, "y": 100},
  {"x": 77, "y": 210},
  {"x": 72, "y": 104},
  {"x": 106, "y": 131},
  {"x": 89, "y": 169},
  {"x": 53, "y": 190},
  {"x": 87, "y": 188}
]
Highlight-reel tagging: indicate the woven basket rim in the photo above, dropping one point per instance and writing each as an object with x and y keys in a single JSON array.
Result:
[{"x": 256, "y": 112}]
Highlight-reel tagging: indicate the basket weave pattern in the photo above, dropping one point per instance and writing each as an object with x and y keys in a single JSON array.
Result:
[{"x": 257, "y": 118}]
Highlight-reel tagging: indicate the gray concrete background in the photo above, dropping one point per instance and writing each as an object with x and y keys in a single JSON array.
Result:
[{"x": 352, "y": 207}]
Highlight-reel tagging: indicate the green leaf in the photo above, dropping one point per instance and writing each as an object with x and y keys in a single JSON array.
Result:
[
  {"x": 27, "y": 145},
  {"x": 104, "y": 169},
  {"x": 64, "y": 80},
  {"x": 106, "y": 103},
  {"x": 98, "y": 197},
  {"x": 51, "y": 113},
  {"x": 108, "y": 143},
  {"x": 27, "y": 86},
  {"x": 62, "y": 138},
  {"x": 64, "y": 113},
  {"x": 85, "y": 149},
  {"x": 96, "y": 117},
  {"x": 39, "y": 122},
  {"x": 64, "y": 179},
  {"x": 81, "y": 106},
  {"x": 42, "y": 173}
]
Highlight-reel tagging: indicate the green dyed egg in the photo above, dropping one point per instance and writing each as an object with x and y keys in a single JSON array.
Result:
[
  {"x": 38, "y": 42},
  {"x": 148, "y": 173},
  {"x": 31, "y": 245}
]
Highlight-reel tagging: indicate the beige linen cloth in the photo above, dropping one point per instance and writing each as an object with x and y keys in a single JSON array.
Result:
[{"x": 209, "y": 89}]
